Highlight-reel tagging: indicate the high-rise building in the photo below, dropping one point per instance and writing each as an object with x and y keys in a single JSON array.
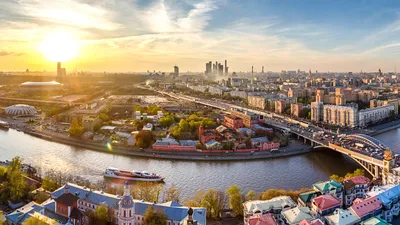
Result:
[
  {"x": 176, "y": 70},
  {"x": 252, "y": 70},
  {"x": 226, "y": 67},
  {"x": 262, "y": 70},
  {"x": 209, "y": 68},
  {"x": 61, "y": 73}
]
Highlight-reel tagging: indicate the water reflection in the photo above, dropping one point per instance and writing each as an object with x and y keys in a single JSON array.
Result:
[{"x": 282, "y": 173}]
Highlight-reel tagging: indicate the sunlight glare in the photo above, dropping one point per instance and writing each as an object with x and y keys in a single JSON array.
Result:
[{"x": 59, "y": 47}]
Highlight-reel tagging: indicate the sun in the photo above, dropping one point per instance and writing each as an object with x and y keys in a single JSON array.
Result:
[{"x": 59, "y": 47}]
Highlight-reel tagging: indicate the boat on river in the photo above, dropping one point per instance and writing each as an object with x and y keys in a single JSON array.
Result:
[{"x": 134, "y": 175}]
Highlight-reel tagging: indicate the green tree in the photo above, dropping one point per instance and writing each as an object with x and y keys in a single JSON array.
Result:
[
  {"x": 235, "y": 199},
  {"x": 251, "y": 195},
  {"x": 2, "y": 221},
  {"x": 154, "y": 217},
  {"x": 214, "y": 201},
  {"x": 392, "y": 115},
  {"x": 147, "y": 191},
  {"x": 171, "y": 194},
  {"x": 138, "y": 108},
  {"x": 17, "y": 185},
  {"x": 272, "y": 193},
  {"x": 153, "y": 109},
  {"x": 166, "y": 121},
  {"x": 196, "y": 201},
  {"x": 76, "y": 129},
  {"x": 143, "y": 139},
  {"x": 184, "y": 125},
  {"x": 49, "y": 184},
  {"x": 104, "y": 117},
  {"x": 36, "y": 221},
  {"x": 101, "y": 214},
  {"x": 228, "y": 145}
]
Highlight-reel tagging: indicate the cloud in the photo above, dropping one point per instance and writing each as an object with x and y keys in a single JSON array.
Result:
[{"x": 6, "y": 53}]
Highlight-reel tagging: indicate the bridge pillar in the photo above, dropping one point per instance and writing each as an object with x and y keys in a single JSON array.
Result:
[
  {"x": 298, "y": 137},
  {"x": 376, "y": 172},
  {"x": 305, "y": 140}
]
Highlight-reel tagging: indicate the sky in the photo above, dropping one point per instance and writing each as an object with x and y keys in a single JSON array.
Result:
[{"x": 141, "y": 35}]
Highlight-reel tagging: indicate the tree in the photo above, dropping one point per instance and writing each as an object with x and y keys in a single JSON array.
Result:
[
  {"x": 166, "y": 121},
  {"x": 143, "y": 139},
  {"x": 36, "y": 221},
  {"x": 2, "y": 221},
  {"x": 138, "y": 124},
  {"x": 154, "y": 217},
  {"x": 272, "y": 193},
  {"x": 101, "y": 215},
  {"x": 137, "y": 108},
  {"x": 153, "y": 109},
  {"x": 147, "y": 191},
  {"x": 76, "y": 129},
  {"x": 251, "y": 195},
  {"x": 228, "y": 145},
  {"x": 235, "y": 199},
  {"x": 171, "y": 194},
  {"x": 392, "y": 115},
  {"x": 49, "y": 184},
  {"x": 196, "y": 201},
  {"x": 214, "y": 201},
  {"x": 104, "y": 117}
]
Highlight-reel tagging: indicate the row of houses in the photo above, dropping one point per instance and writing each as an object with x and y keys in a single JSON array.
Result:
[{"x": 330, "y": 203}]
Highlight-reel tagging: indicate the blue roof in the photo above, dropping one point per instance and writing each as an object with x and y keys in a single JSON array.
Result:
[
  {"x": 174, "y": 211},
  {"x": 23, "y": 213},
  {"x": 211, "y": 142},
  {"x": 187, "y": 143},
  {"x": 166, "y": 141},
  {"x": 89, "y": 195},
  {"x": 259, "y": 139}
]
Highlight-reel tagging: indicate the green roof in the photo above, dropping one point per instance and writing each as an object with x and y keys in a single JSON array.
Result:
[
  {"x": 375, "y": 221},
  {"x": 327, "y": 185},
  {"x": 307, "y": 196}
]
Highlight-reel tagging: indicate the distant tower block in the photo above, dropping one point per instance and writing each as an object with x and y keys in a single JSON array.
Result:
[
  {"x": 262, "y": 69},
  {"x": 252, "y": 70}
]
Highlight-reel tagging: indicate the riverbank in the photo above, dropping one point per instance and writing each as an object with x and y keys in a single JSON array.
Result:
[
  {"x": 187, "y": 156},
  {"x": 382, "y": 128}
]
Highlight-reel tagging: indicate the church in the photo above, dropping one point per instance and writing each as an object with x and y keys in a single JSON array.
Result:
[{"x": 70, "y": 204}]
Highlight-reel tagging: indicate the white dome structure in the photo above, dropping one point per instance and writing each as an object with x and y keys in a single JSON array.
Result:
[{"x": 20, "y": 110}]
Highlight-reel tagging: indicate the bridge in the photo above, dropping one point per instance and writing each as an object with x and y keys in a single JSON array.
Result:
[{"x": 370, "y": 156}]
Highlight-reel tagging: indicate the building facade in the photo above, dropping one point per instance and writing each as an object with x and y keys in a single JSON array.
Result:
[
  {"x": 343, "y": 116},
  {"x": 372, "y": 115}
]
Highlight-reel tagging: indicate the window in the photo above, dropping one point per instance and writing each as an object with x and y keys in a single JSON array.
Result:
[
  {"x": 130, "y": 213},
  {"x": 124, "y": 213}
]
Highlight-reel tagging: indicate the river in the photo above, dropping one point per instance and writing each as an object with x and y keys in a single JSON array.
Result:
[{"x": 292, "y": 172}]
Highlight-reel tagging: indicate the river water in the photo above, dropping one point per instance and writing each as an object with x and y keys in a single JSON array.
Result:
[{"x": 283, "y": 173}]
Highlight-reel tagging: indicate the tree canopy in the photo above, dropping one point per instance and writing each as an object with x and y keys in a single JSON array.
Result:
[
  {"x": 143, "y": 139},
  {"x": 36, "y": 221},
  {"x": 357, "y": 172},
  {"x": 154, "y": 217},
  {"x": 76, "y": 129},
  {"x": 235, "y": 199}
]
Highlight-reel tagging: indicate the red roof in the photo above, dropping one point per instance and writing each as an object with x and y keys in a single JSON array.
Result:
[
  {"x": 266, "y": 219},
  {"x": 326, "y": 201},
  {"x": 366, "y": 206},
  {"x": 360, "y": 180}
]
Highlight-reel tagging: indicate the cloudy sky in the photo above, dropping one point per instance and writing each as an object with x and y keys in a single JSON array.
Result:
[{"x": 140, "y": 35}]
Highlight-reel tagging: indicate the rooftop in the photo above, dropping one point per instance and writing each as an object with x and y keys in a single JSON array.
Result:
[
  {"x": 365, "y": 206},
  {"x": 341, "y": 217},
  {"x": 296, "y": 215},
  {"x": 280, "y": 202},
  {"x": 45, "y": 83},
  {"x": 326, "y": 201}
]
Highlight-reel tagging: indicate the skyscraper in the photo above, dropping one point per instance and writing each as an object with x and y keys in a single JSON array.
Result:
[
  {"x": 208, "y": 68},
  {"x": 226, "y": 67},
  {"x": 176, "y": 70},
  {"x": 61, "y": 73},
  {"x": 262, "y": 69},
  {"x": 252, "y": 70}
]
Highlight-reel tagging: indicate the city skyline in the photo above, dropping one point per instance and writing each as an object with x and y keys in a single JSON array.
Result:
[{"x": 119, "y": 36}]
